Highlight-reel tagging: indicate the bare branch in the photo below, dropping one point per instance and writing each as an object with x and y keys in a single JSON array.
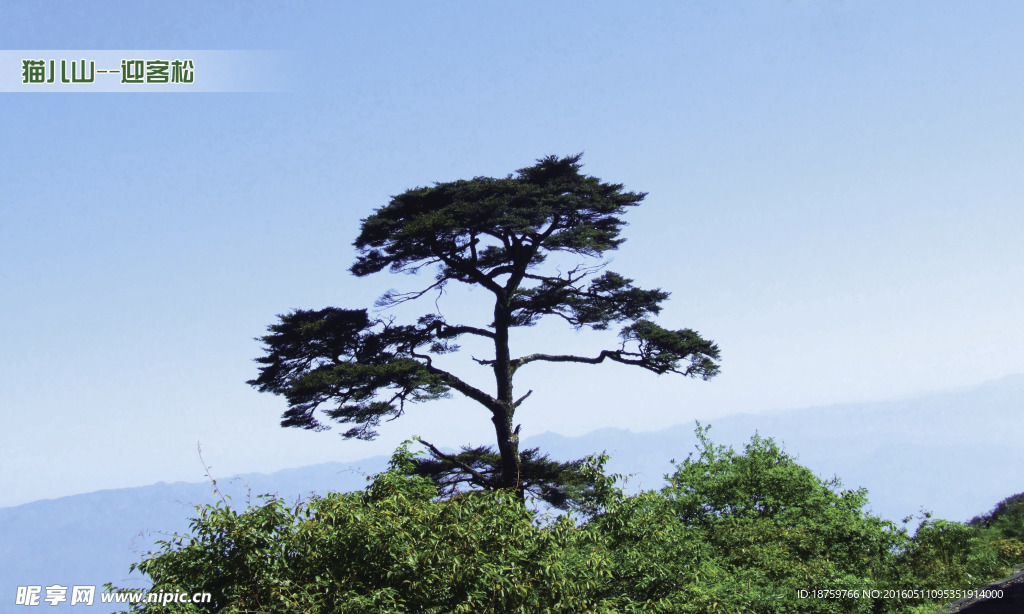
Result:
[
  {"x": 614, "y": 355},
  {"x": 400, "y": 397},
  {"x": 482, "y": 479},
  {"x": 466, "y": 389},
  {"x": 501, "y": 236},
  {"x": 413, "y": 268},
  {"x": 216, "y": 489},
  {"x": 392, "y": 297},
  {"x": 450, "y": 330},
  {"x": 500, "y": 270},
  {"x": 573, "y": 275},
  {"x": 472, "y": 272},
  {"x": 564, "y": 358}
]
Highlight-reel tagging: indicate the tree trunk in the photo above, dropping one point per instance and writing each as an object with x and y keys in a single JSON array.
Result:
[
  {"x": 508, "y": 438},
  {"x": 508, "y": 447}
]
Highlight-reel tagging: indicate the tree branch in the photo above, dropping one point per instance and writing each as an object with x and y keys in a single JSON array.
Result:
[
  {"x": 458, "y": 329},
  {"x": 392, "y": 298},
  {"x": 470, "y": 271},
  {"x": 520, "y": 402},
  {"x": 466, "y": 389},
  {"x": 564, "y": 358},
  {"x": 482, "y": 480},
  {"x": 614, "y": 355},
  {"x": 500, "y": 270}
]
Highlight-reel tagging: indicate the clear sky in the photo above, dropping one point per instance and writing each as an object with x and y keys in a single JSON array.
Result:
[{"x": 834, "y": 197}]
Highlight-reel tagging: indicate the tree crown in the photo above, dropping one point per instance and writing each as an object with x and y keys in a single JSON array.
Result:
[{"x": 481, "y": 229}]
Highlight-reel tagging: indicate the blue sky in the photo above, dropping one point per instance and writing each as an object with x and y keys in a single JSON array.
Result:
[{"x": 834, "y": 197}]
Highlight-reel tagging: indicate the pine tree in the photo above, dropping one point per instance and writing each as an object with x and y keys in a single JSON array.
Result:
[{"x": 496, "y": 234}]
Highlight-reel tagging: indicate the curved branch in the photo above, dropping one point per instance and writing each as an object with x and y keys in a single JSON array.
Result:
[
  {"x": 392, "y": 297},
  {"x": 448, "y": 330},
  {"x": 657, "y": 349},
  {"x": 466, "y": 389},
  {"x": 614, "y": 355},
  {"x": 500, "y": 270},
  {"x": 482, "y": 480},
  {"x": 472, "y": 272},
  {"x": 565, "y": 358}
]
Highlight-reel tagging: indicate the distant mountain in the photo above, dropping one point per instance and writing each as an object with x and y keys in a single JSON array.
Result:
[
  {"x": 955, "y": 454},
  {"x": 91, "y": 539}
]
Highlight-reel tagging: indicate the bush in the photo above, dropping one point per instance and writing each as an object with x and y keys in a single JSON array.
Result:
[
  {"x": 746, "y": 532},
  {"x": 392, "y": 548},
  {"x": 731, "y": 532},
  {"x": 1006, "y": 519}
]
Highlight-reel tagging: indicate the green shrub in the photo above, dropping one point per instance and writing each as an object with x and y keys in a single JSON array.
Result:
[
  {"x": 1007, "y": 518},
  {"x": 731, "y": 532}
]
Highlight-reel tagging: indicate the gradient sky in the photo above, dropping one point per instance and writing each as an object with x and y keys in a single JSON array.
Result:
[{"x": 834, "y": 197}]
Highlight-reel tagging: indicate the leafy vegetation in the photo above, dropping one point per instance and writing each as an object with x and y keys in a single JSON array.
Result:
[{"x": 731, "y": 531}]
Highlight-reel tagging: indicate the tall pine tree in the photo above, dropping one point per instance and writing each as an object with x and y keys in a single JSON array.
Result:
[{"x": 496, "y": 234}]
